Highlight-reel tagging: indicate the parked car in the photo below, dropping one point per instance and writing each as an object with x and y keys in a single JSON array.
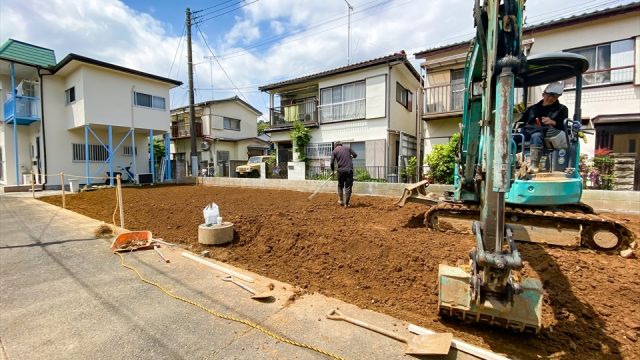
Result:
[{"x": 252, "y": 167}]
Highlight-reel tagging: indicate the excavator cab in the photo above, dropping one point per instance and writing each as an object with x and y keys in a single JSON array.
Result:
[{"x": 557, "y": 182}]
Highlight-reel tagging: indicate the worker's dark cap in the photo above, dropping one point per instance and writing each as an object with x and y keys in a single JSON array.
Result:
[{"x": 338, "y": 143}]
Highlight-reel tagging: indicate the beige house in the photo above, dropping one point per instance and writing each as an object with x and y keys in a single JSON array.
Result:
[
  {"x": 83, "y": 117},
  {"x": 226, "y": 135},
  {"x": 369, "y": 106},
  {"x": 609, "y": 38}
]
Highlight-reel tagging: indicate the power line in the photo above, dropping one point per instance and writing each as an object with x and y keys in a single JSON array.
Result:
[
  {"x": 219, "y": 64},
  {"x": 218, "y": 10},
  {"x": 184, "y": 27},
  {"x": 198, "y": 21},
  {"x": 211, "y": 7}
]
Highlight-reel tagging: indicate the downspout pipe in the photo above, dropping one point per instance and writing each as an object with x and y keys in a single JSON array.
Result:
[
  {"x": 42, "y": 129},
  {"x": 14, "y": 94}
]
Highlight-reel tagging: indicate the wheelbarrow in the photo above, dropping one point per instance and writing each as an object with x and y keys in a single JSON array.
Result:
[{"x": 132, "y": 240}]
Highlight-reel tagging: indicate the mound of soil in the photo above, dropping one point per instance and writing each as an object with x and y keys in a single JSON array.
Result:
[{"x": 381, "y": 257}]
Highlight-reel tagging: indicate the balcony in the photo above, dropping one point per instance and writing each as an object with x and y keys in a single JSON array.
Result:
[
  {"x": 284, "y": 116},
  {"x": 182, "y": 130},
  {"x": 443, "y": 100},
  {"x": 341, "y": 111},
  {"x": 25, "y": 112}
]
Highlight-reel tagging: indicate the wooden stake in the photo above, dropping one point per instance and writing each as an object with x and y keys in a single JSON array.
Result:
[
  {"x": 64, "y": 204},
  {"x": 119, "y": 193}
]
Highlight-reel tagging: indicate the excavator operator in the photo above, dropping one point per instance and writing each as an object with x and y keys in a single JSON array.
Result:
[{"x": 543, "y": 119}]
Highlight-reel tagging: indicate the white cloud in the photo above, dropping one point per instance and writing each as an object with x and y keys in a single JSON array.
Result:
[
  {"x": 244, "y": 30},
  {"x": 277, "y": 27}
]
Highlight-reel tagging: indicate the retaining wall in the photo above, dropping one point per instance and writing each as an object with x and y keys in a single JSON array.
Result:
[{"x": 601, "y": 200}]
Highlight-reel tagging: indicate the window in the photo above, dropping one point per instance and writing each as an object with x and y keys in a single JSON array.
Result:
[
  {"x": 126, "y": 150},
  {"x": 150, "y": 101},
  {"x": 231, "y": 124},
  {"x": 319, "y": 150},
  {"x": 70, "y": 95},
  {"x": 97, "y": 153},
  {"x": 457, "y": 89},
  {"x": 359, "y": 149},
  {"x": 404, "y": 96},
  {"x": 609, "y": 63},
  {"x": 223, "y": 157},
  {"x": 631, "y": 146},
  {"x": 342, "y": 102}
]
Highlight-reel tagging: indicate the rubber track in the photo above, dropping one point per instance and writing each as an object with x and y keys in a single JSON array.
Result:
[{"x": 578, "y": 217}]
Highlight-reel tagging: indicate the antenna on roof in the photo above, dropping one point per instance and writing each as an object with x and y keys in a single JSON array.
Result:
[{"x": 349, "y": 32}]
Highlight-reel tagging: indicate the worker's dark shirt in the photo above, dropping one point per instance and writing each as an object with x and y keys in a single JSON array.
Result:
[
  {"x": 343, "y": 156},
  {"x": 556, "y": 111}
]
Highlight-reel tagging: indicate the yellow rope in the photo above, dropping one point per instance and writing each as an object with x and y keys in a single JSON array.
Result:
[
  {"x": 113, "y": 217},
  {"x": 228, "y": 317}
]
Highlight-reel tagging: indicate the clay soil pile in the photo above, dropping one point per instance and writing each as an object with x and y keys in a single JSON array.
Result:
[{"x": 381, "y": 257}]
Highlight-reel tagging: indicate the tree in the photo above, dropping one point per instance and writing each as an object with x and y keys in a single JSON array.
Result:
[
  {"x": 301, "y": 136},
  {"x": 262, "y": 126},
  {"x": 158, "y": 148},
  {"x": 442, "y": 162}
]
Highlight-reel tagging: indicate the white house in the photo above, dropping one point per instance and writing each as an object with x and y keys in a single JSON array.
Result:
[
  {"x": 226, "y": 133},
  {"x": 369, "y": 106},
  {"x": 81, "y": 117},
  {"x": 608, "y": 38}
]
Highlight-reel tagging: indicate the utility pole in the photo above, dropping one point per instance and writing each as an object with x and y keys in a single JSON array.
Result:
[
  {"x": 192, "y": 115},
  {"x": 349, "y": 32}
]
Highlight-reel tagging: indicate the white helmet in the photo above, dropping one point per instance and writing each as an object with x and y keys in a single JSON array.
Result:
[{"x": 554, "y": 88}]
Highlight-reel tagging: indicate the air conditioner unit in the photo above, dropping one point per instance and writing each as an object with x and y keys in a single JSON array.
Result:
[{"x": 205, "y": 146}]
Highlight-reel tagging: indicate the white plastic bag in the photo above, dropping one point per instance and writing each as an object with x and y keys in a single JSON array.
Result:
[{"x": 211, "y": 213}]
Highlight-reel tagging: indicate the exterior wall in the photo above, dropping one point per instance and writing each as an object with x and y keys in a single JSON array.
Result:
[
  {"x": 102, "y": 84},
  {"x": 213, "y": 124},
  {"x": 438, "y": 132},
  {"x": 401, "y": 118},
  {"x": 599, "y": 31}
]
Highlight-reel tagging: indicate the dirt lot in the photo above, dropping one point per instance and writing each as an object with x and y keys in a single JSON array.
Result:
[{"x": 380, "y": 257}]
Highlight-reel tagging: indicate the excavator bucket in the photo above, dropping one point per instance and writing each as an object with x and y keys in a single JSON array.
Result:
[
  {"x": 454, "y": 299},
  {"x": 418, "y": 193}
]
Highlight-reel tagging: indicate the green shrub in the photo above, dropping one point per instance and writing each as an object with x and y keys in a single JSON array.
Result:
[{"x": 441, "y": 161}]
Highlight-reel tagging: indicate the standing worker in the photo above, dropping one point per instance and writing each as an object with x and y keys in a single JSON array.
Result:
[{"x": 343, "y": 155}]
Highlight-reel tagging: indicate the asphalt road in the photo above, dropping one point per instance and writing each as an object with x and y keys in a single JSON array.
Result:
[{"x": 64, "y": 295}]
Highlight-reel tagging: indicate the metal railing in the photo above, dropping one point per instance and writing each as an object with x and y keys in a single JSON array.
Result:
[
  {"x": 305, "y": 112},
  {"x": 443, "y": 98},
  {"x": 340, "y": 111},
  {"x": 390, "y": 174},
  {"x": 26, "y": 107},
  {"x": 184, "y": 130},
  {"x": 609, "y": 76}
]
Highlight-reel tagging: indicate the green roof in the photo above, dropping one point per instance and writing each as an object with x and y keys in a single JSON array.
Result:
[{"x": 27, "y": 54}]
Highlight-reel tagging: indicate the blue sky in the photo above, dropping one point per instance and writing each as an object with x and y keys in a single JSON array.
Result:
[{"x": 256, "y": 42}]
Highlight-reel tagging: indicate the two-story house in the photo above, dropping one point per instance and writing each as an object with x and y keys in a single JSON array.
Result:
[
  {"x": 369, "y": 106},
  {"x": 81, "y": 117},
  {"x": 226, "y": 133},
  {"x": 608, "y": 38}
]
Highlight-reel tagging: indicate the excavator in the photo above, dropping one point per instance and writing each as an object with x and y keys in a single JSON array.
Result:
[{"x": 493, "y": 188}]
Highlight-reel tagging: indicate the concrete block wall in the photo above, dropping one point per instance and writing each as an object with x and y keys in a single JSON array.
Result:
[{"x": 601, "y": 200}]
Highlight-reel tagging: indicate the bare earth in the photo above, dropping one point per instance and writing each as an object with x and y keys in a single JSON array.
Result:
[{"x": 380, "y": 257}]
